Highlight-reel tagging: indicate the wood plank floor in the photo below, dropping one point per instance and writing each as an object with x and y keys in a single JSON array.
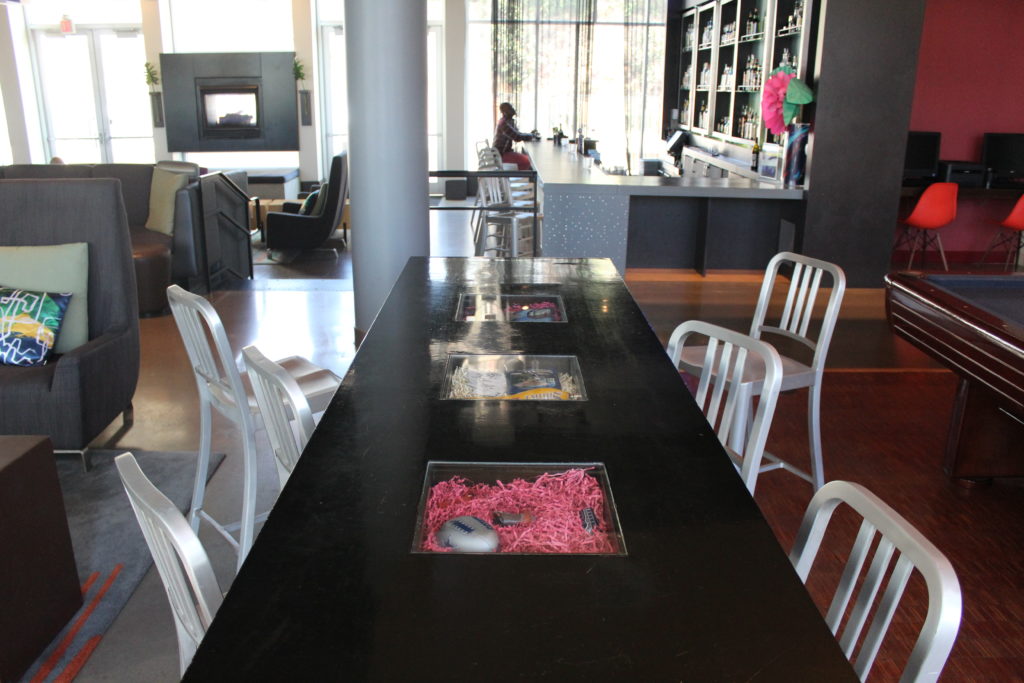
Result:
[{"x": 886, "y": 408}]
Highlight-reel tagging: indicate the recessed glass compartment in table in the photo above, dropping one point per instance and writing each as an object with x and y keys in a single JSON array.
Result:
[
  {"x": 513, "y": 378},
  {"x": 517, "y": 509},
  {"x": 511, "y": 308}
]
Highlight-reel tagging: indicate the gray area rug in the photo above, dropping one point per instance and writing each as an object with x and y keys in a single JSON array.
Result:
[{"x": 110, "y": 551}]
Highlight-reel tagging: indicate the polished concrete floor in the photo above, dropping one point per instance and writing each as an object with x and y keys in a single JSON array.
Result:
[{"x": 305, "y": 307}]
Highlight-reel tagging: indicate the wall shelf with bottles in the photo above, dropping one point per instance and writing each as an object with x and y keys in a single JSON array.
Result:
[
  {"x": 728, "y": 48},
  {"x": 688, "y": 33}
]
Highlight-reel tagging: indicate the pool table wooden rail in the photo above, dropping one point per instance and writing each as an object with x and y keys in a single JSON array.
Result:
[{"x": 987, "y": 353}]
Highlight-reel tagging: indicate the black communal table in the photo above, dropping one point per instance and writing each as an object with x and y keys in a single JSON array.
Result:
[{"x": 331, "y": 591}]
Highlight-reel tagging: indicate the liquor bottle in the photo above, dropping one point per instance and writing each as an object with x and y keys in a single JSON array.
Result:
[{"x": 755, "y": 155}]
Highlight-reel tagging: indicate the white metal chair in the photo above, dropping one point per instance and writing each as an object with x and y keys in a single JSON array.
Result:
[
  {"x": 794, "y": 322},
  {"x": 727, "y": 357},
  {"x": 285, "y": 411},
  {"x": 505, "y": 228},
  {"x": 505, "y": 223},
  {"x": 180, "y": 559},
  {"x": 221, "y": 388},
  {"x": 912, "y": 550}
]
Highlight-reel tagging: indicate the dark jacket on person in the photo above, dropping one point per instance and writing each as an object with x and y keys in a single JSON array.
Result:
[{"x": 506, "y": 134}]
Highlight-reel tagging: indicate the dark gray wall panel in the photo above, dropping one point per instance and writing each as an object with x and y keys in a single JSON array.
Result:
[
  {"x": 279, "y": 127},
  {"x": 864, "y": 88}
]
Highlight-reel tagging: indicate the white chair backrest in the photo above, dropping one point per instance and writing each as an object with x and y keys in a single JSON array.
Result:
[
  {"x": 914, "y": 551},
  {"x": 216, "y": 373},
  {"x": 728, "y": 354},
  {"x": 280, "y": 399},
  {"x": 804, "y": 286},
  {"x": 489, "y": 159},
  {"x": 180, "y": 559}
]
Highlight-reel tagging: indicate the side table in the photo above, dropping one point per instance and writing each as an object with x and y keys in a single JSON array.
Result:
[{"x": 39, "y": 586}]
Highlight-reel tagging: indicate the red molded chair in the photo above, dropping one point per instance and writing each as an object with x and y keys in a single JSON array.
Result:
[
  {"x": 935, "y": 208},
  {"x": 1011, "y": 234}
]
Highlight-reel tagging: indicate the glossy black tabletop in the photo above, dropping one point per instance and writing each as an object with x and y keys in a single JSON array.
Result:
[{"x": 331, "y": 590}]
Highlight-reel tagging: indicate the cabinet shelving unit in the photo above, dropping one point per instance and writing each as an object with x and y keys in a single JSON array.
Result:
[{"x": 728, "y": 49}]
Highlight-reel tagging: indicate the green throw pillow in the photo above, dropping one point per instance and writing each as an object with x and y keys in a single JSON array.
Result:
[
  {"x": 309, "y": 202},
  {"x": 53, "y": 268},
  {"x": 29, "y": 325},
  {"x": 321, "y": 199}
]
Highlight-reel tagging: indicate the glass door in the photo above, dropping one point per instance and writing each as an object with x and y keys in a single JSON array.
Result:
[
  {"x": 95, "y": 98},
  {"x": 125, "y": 96}
]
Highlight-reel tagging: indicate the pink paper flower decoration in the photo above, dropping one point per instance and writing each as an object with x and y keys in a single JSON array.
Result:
[{"x": 773, "y": 99}]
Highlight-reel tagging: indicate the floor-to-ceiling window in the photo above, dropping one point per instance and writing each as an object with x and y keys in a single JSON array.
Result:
[
  {"x": 569, "y": 69},
  {"x": 89, "y": 69},
  {"x": 334, "y": 102}
]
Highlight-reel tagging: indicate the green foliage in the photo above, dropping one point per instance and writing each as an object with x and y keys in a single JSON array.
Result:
[
  {"x": 299, "y": 70},
  {"x": 152, "y": 77}
]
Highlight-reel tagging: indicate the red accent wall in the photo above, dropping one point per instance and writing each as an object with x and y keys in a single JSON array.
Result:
[
  {"x": 970, "y": 73},
  {"x": 970, "y": 80}
]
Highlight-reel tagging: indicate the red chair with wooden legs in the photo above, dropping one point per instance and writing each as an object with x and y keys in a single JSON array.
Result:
[
  {"x": 1011, "y": 234},
  {"x": 935, "y": 208}
]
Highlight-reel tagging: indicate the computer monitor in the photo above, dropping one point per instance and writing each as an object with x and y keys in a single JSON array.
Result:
[
  {"x": 1002, "y": 155},
  {"x": 922, "y": 155}
]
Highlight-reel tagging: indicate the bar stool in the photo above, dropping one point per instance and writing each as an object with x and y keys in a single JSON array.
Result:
[
  {"x": 935, "y": 208},
  {"x": 1011, "y": 234}
]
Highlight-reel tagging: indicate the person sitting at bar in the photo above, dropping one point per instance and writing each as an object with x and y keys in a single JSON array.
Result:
[{"x": 506, "y": 134}]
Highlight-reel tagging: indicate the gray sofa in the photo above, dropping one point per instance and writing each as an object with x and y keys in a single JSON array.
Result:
[
  {"x": 73, "y": 398},
  {"x": 186, "y": 244}
]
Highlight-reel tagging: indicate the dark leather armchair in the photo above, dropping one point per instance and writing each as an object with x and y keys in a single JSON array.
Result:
[
  {"x": 75, "y": 397},
  {"x": 296, "y": 231}
]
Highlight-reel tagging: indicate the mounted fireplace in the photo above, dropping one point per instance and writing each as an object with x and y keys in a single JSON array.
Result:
[
  {"x": 230, "y": 102},
  {"x": 228, "y": 112}
]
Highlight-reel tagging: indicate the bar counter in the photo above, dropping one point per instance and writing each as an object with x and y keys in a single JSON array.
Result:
[
  {"x": 634, "y": 220},
  {"x": 333, "y": 589}
]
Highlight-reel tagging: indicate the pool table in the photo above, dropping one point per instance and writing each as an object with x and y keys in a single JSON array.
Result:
[{"x": 974, "y": 325}]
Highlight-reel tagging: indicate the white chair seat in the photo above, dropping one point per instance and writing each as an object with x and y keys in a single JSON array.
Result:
[
  {"x": 725, "y": 399},
  {"x": 795, "y": 375},
  {"x": 317, "y": 384}
]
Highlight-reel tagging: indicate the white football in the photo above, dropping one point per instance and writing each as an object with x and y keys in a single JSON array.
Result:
[{"x": 468, "y": 534}]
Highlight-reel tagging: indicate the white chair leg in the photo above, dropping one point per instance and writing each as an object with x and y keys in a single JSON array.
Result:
[
  {"x": 942, "y": 252},
  {"x": 203, "y": 462},
  {"x": 249, "y": 486},
  {"x": 814, "y": 430},
  {"x": 742, "y": 419},
  {"x": 913, "y": 247}
]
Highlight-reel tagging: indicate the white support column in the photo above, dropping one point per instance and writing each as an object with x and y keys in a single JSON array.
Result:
[
  {"x": 305, "y": 29},
  {"x": 23, "y": 125},
  {"x": 455, "y": 85},
  {"x": 387, "y": 94},
  {"x": 153, "y": 37}
]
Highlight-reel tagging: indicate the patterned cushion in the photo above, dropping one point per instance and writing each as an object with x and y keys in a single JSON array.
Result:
[{"x": 29, "y": 325}]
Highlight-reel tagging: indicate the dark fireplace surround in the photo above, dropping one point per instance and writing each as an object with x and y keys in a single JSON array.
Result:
[{"x": 230, "y": 102}]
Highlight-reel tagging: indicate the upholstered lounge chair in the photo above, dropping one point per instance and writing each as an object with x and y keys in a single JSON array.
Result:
[
  {"x": 297, "y": 231},
  {"x": 73, "y": 398}
]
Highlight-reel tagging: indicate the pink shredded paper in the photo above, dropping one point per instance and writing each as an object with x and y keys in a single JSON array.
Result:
[{"x": 553, "y": 501}]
